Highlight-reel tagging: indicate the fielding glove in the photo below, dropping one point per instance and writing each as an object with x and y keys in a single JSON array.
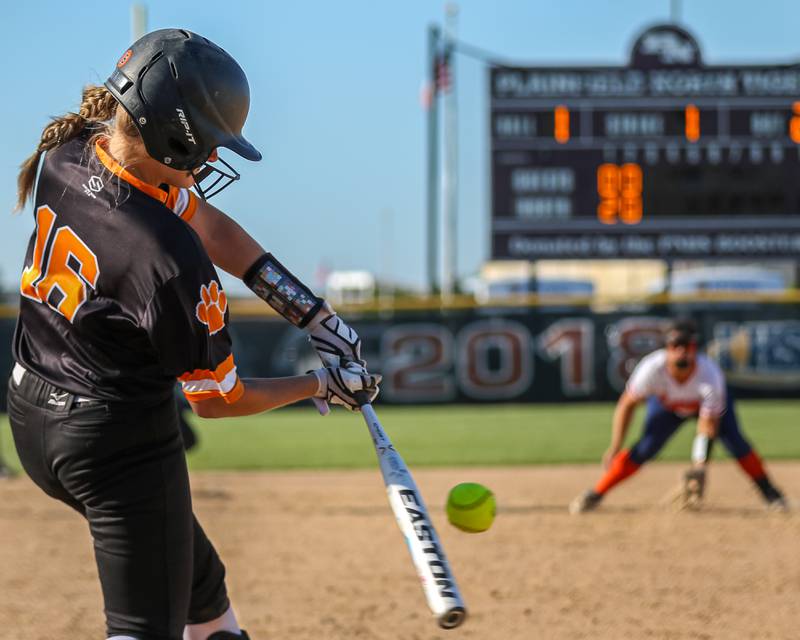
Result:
[{"x": 694, "y": 486}]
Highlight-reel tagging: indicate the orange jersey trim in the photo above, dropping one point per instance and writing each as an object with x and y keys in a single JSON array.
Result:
[
  {"x": 217, "y": 377},
  {"x": 172, "y": 197},
  {"x": 191, "y": 208},
  {"x": 169, "y": 199},
  {"x": 234, "y": 395},
  {"x": 218, "y": 374},
  {"x": 172, "y": 202},
  {"x": 114, "y": 167}
]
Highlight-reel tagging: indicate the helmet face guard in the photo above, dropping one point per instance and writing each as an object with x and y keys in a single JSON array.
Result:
[
  {"x": 187, "y": 97},
  {"x": 216, "y": 179}
]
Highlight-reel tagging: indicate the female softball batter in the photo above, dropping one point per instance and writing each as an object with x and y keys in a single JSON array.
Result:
[{"x": 119, "y": 298}]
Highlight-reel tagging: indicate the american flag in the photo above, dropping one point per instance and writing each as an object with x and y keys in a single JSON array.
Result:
[
  {"x": 442, "y": 79},
  {"x": 442, "y": 72}
]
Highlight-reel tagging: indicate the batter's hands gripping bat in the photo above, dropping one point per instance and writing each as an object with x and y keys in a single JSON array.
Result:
[{"x": 412, "y": 517}]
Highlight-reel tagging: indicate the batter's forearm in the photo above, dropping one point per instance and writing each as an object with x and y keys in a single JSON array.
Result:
[
  {"x": 228, "y": 245},
  {"x": 260, "y": 394},
  {"x": 231, "y": 248}
]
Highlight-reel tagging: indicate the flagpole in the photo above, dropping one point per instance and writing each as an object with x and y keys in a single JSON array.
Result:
[
  {"x": 433, "y": 160},
  {"x": 450, "y": 228}
]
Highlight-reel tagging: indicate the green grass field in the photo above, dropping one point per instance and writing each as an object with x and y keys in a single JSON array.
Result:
[{"x": 457, "y": 435}]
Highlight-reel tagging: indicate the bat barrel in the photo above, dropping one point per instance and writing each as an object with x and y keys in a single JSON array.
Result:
[{"x": 413, "y": 519}]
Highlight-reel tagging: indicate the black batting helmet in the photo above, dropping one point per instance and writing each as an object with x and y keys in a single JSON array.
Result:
[{"x": 186, "y": 95}]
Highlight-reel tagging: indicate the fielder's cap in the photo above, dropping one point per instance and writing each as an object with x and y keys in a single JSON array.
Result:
[{"x": 681, "y": 332}]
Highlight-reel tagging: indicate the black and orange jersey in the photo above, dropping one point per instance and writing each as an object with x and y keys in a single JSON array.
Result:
[{"x": 118, "y": 297}]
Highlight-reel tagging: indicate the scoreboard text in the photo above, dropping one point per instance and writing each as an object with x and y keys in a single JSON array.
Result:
[{"x": 664, "y": 158}]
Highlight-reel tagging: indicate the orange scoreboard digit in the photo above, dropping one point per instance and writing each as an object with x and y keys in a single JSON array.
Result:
[{"x": 664, "y": 157}]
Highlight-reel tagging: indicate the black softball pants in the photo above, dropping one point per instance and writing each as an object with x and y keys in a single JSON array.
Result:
[{"x": 123, "y": 468}]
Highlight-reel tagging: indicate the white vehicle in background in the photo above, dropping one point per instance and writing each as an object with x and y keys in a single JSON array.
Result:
[
  {"x": 350, "y": 287},
  {"x": 728, "y": 285},
  {"x": 723, "y": 279},
  {"x": 544, "y": 290},
  {"x": 728, "y": 279}
]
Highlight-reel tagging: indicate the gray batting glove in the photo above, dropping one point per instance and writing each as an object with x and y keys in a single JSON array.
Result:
[{"x": 338, "y": 385}]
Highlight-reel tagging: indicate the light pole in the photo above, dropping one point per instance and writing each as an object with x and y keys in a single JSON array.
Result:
[
  {"x": 138, "y": 21},
  {"x": 675, "y": 11}
]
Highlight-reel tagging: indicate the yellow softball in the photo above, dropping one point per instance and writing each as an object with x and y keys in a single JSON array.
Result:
[{"x": 471, "y": 507}]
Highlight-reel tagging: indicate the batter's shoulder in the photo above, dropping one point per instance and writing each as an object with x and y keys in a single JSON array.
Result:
[{"x": 172, "y": 245}]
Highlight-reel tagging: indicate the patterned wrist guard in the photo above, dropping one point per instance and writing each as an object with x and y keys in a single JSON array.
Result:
[{"x": 281, "y": 290}]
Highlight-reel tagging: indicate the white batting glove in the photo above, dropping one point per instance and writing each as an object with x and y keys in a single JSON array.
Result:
[
  {"x": 335, "y": 342},
  {"x": 339, "y": 385}
]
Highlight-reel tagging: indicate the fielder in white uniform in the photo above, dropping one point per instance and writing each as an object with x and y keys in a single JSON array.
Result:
[{"x": 677, "y": 383}]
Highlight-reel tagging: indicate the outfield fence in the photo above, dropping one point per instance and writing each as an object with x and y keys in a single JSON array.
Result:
[{"x": 527, "y": 353}]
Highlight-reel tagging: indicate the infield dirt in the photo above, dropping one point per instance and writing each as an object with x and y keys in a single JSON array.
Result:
[{"x": 317, "y": 555}]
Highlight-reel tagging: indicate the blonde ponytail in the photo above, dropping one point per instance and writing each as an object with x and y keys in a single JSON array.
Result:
[{"x": 97, "y": 106}]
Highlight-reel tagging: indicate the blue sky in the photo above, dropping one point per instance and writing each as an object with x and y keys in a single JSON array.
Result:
[{"x": 335, "y": 104}]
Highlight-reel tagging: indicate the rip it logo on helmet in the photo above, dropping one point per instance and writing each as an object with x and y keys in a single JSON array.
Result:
[{"x": 185, "y": 123}]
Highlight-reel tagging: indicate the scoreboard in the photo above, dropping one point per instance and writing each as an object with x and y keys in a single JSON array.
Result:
[{"x": 663, "y": 158}]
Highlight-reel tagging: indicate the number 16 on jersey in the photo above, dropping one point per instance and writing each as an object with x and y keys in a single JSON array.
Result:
[{"x": 69, "y": 267}]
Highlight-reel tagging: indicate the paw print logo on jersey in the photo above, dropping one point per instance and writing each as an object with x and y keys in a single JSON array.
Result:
[{"x": 212, "y": 306}]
